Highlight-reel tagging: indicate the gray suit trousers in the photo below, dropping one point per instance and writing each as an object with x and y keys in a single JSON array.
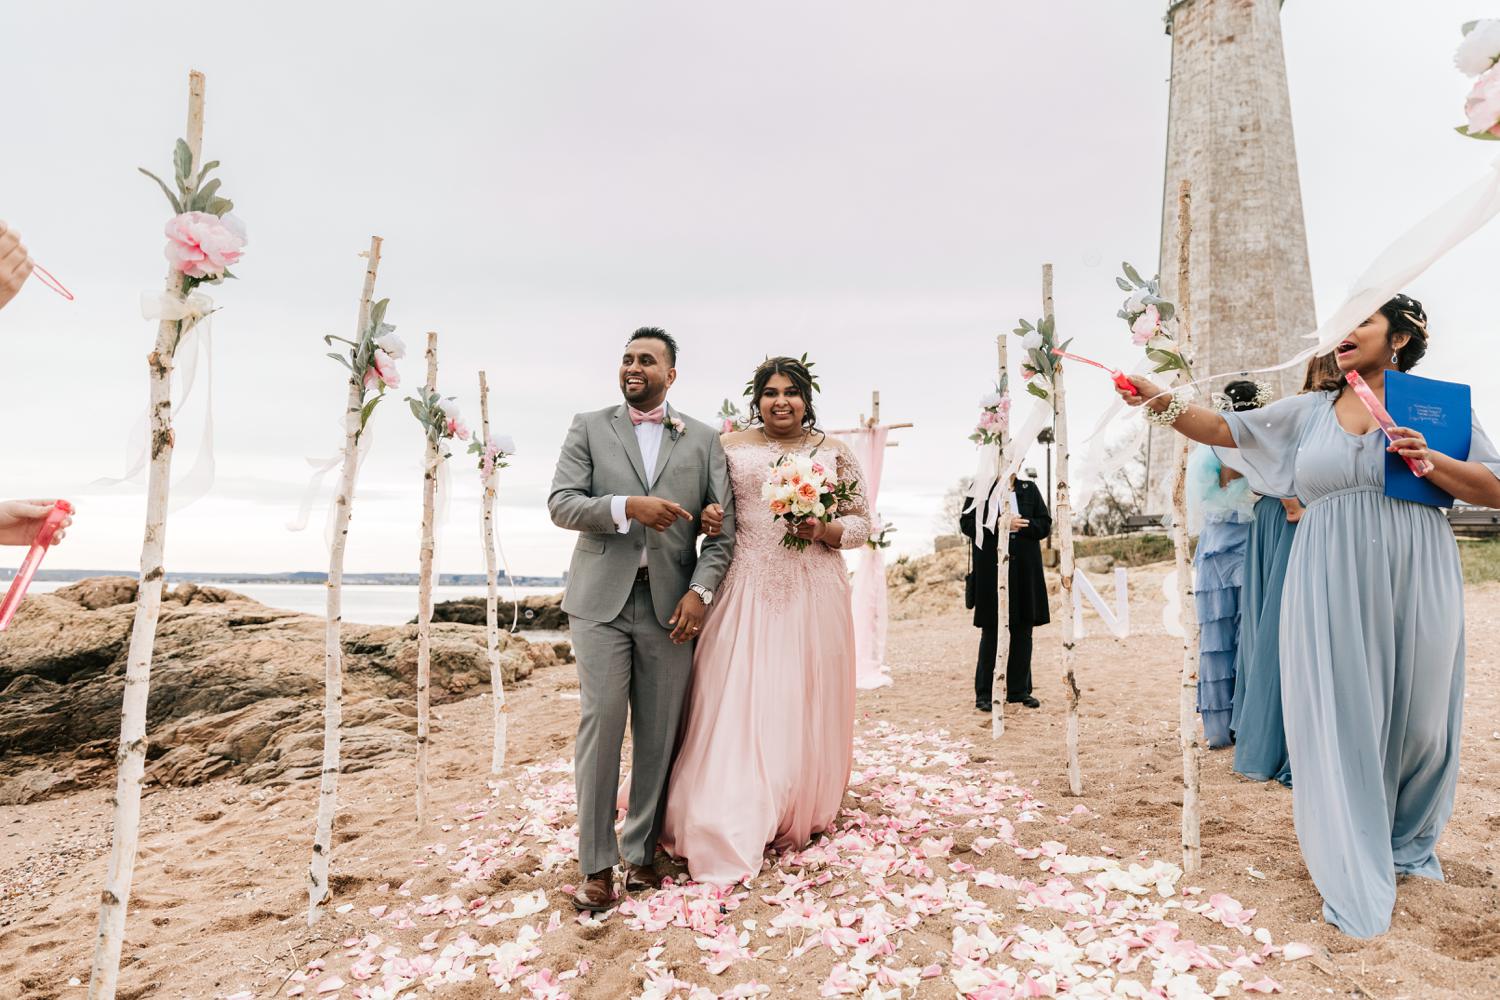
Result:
[{"x": 631, "y": 660}]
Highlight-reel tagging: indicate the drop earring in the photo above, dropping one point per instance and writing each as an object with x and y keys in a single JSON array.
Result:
[{"x": 1396, "y": 359}]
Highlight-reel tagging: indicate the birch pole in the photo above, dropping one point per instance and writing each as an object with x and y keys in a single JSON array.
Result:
[
  {"x": 1064, "y": 521},
  {"x": 131, "y": 759},
  {"x": 333, "y": 652},
  {"x": 491, "y": 612},
  {"x": 1187, "y": 719},
  {"x": 998, "y": 690},
  {"x": 424, "y": 588}
]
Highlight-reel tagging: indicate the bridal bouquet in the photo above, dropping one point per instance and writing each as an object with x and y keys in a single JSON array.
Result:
[{"x": 800, "y": 488}]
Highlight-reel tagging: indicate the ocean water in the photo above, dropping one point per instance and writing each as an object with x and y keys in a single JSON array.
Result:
[{"x": 367, "y": 604}]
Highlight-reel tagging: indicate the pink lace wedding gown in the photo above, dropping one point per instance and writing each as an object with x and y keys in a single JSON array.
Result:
[{"x": 768, "y": 739}]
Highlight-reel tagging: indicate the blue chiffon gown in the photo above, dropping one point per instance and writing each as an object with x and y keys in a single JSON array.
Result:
[
  {"x": 1220, "y": 517},
  {"x": 1259, "y": 736},
  {"x": 1372, "y": 655}
]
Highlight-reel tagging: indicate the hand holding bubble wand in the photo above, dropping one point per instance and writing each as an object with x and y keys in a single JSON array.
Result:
[
  {"x": 1420, "y": 467},
  {"x": 60, "y": 512}
]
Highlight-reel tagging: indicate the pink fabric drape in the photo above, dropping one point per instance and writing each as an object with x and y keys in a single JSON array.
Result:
[{"x": 867, "y": 594}]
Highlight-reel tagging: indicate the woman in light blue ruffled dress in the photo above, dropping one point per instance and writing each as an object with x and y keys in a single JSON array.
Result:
[
  {"x": 1220, "y": 509},
  {"x": 1372, "y": 619}
]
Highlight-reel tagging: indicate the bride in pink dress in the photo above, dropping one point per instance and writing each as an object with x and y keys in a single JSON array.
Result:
[{"x": 768, "y": 739}]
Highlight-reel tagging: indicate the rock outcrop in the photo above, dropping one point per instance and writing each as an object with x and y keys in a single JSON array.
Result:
[
  {"x": 236, "y": 687},
  {"x": 543, "y": 612}
]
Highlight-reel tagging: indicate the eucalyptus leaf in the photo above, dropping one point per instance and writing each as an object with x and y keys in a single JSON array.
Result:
[
  {"x": 220, "y": 207},
  {"x": 366, "y": 410},
  {"x": 342, "y": 360},
  {"x": 204, "y": 196},
  {"x": 1036, "y": 390},
  {"x": 377, "y": 313},
  {"x": 182, "y": 159},
  {"x": 1125, "y": 286},
  {"x": 1485, "y": 136},
  {"x": 176, "y": 205},
  {"x": 1470, "y": 26},
  {"x": 211, "y": 164},
  {"x": 1167, "y": 309},
  {"x": 1133, "y": 274}
]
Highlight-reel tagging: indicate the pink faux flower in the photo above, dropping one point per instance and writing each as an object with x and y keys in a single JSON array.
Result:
[
  {"x": 456, "y": 428},
  {"x": 1145, "y": 326},
  {"x": 727, "y": 427},
  {"x": 202, "y": 245},
  {"x": 1483, "y": 105},
  {"x": 382, "y": 371}
]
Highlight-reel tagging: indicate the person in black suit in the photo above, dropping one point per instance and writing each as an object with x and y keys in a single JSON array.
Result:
[{"x": 1027, "y": 595}]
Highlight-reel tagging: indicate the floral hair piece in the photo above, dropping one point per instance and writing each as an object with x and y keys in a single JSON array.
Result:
[
  {"x": 1264, "y": 396},
  {"x": 806, "y": 366}
]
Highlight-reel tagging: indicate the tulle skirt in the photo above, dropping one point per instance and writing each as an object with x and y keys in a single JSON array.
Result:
[
  {"x": 768, "y": 740},
  {"x": 1219, "y": 567}
]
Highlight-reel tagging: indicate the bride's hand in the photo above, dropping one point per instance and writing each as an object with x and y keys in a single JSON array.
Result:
[
  {"x": 712, "y": 520},
  {"x": 811, "y": 530}
]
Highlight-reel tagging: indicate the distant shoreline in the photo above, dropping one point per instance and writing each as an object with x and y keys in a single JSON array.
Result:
[{"x": 300, "y": 577}]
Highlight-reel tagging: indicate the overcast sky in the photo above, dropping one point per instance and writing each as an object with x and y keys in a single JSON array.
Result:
[{"x": 876, "y": 183}]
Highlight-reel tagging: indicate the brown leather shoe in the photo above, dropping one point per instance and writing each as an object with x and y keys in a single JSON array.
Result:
[
  {"x": 641, "y": 877},
  {"x": 597, "y": 892}
]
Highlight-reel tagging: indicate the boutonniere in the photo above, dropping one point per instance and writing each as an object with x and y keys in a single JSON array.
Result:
[{"x": 678, "y": 427}]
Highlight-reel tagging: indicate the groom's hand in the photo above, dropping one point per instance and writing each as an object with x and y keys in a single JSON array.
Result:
[
  {"x": 654, "y": 512},
  {"x": 687, "y": 618}
]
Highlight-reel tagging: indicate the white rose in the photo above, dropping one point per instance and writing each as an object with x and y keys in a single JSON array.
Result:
[
  {"x": 504, "y": 444},
  {"x": 1032, "y": 341},
  {"x": 392, "y": 345},
  {"x": 989, "y": 399},
  {"x": 450, "y": 409},
  {"x": 1479, "y": 49},
  {"x": 1136, "y": 303}
]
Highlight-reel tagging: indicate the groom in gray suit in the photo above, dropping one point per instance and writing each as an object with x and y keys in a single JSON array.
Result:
[{"x": 632, "y": 480}]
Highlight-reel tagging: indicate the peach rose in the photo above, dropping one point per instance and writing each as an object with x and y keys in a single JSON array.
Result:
[{"x": 202, "y": 245}]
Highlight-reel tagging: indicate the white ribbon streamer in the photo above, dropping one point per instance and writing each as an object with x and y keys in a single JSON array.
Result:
[
  {"x": 193, "y": 350},
  {"x": 321, "y": 468},
  {"x": 515, "y": 598}
]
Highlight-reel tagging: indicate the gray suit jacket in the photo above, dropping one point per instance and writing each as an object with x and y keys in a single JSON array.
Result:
[{"x": 601, "y": 460}]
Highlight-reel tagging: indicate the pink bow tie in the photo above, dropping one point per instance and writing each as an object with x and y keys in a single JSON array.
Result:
[{"x": 655, "y": 416}]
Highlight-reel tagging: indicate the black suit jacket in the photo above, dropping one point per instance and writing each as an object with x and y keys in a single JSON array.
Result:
[{"x": 1028, "y": 582}]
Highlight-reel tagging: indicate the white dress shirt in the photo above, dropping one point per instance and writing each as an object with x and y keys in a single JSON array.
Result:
[{"x": 648, "y": 436}]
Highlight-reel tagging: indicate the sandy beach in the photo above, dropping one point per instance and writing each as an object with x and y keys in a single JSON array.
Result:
[{"x": 478, "y": 899}]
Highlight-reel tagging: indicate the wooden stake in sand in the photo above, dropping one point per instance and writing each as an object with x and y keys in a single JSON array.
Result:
[
  {"x": 131, "y": 758},
  {"x": 1002, "y": 572},
  {"x": 1063, "y": 518},
  {"x": 491, "y": 612},
  {"x": 430, "y": 459},
  {"x": 333, "y": 664},
  {"x": 1187, "y": 717}
]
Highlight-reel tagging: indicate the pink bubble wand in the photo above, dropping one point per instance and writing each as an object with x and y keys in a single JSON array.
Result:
[
  {"x": 1419, "y": 467},
  {"x": 50, "y": 524},
  {"x": 1121, "y": 379}
]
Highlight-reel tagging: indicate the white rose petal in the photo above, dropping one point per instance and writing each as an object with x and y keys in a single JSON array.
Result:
[
  {"x": 1479, "y": 49},
  {"x": 1032, "y": 341},
  {"x": 504, "y": 443}
]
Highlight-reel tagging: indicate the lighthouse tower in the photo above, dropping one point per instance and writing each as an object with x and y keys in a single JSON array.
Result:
[{"x": 1229, "y": 131}]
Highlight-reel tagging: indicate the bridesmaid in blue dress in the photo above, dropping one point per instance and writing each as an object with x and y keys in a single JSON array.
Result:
[
  {"x": 1259, "y": 735},
  {"x": 1219, "y": 513},
  {"x": 1372, "y": 619}
]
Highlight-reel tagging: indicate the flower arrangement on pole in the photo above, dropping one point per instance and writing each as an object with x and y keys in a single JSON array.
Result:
[
  {"x": 994, "y": 416},
  {"x": 880, "y": 535},
  {"x": 732, "y": 418},
  {"x": 1039, "y": 341},
  {"x": 442, "y": 423},
  {"x": 371, "y": 366},
  {"x": 1478, "y": 56},
  {"x": 1147, "y": 314}
]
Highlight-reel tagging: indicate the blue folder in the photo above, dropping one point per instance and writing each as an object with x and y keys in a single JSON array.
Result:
[{"x": 1440, "y": 411}]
